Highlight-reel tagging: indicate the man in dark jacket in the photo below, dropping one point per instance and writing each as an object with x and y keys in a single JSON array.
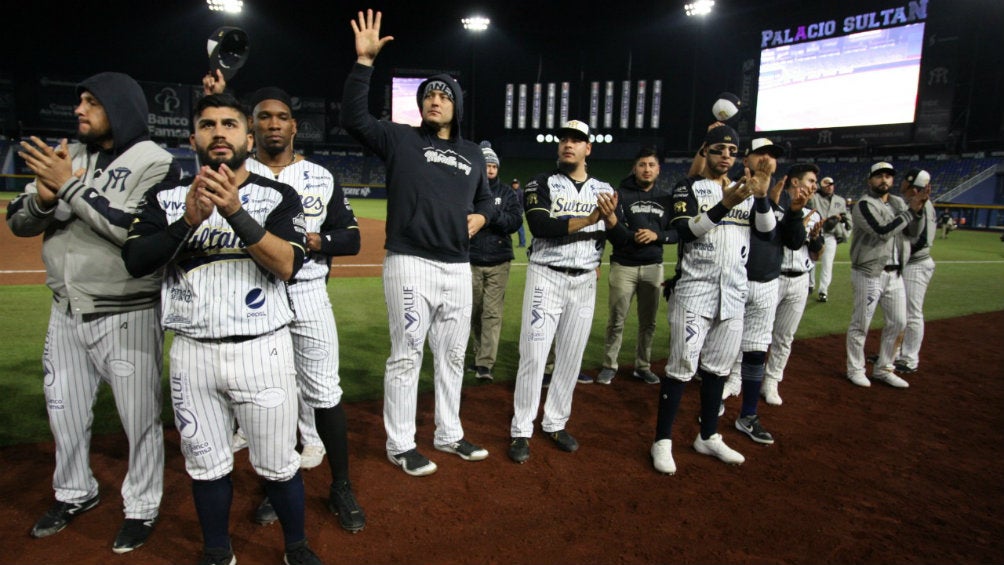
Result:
[
  {"x": 636, "y": 266},
  {"x": 491, "y": 257},
  {"x": 437, "y": 199}
]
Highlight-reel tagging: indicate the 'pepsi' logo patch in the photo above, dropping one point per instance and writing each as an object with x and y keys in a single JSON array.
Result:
[{"x": 255, "y": 299}]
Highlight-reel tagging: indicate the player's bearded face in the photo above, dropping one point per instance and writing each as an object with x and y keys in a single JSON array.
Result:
[
  {"x": 573, "y": 150},
  {"x": 93, "y": 125},
  {"x": 721, "y": 157},
  {"x": 274, "y": 126},
  {"x": 221, "y": 136},
  {"x": 646, "y": 170},
  {"x": 880, "y": 183}
]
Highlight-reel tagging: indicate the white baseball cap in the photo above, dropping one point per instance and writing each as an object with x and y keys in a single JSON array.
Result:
[
  {"x": 827, "y": 181},
  {"x": 576, "y": 128},
  {"x": 764, "y": 145},
  {"x": 882, "y": 166}
]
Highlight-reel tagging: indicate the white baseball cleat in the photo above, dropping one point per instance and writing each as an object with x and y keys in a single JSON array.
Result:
[
  {"x": 715, "y": 447},
  {"x": 891, "y": 379},
  {"x": 859, "y": 380},
  {"x": 662, "y": 456}
]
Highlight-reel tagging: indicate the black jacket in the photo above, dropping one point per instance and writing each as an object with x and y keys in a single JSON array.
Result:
[
  {"x": 493, "y": 244},
  {"x": 640, "y": 209}
]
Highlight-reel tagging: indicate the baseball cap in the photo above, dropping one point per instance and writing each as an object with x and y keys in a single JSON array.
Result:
[
  {"x": 228, "y": 48},
  {"x": 576, "y": 129},
  {"x": 827, "y": 181},
  {"x": 513, "y": 180},
  {"x": 882, "y": 166},
  {"x": 270, "y": 93},
  {"x": 722, "y": 134},
  {"x": 764, "y": 145},
  {"x": 918, "y": 178}
]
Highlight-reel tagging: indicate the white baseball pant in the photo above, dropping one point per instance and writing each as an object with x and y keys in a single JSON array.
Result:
[{"x": 869, "y": 293}]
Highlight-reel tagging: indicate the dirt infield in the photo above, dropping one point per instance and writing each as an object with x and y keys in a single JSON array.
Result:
[
  {"x": 21, "y": 260},
  {"x": 875, "y": 475}
]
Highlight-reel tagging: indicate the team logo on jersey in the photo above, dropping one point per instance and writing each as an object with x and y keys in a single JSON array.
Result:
[
  {"x": 48, "y": 372},
  {"x": 306, "y": 175},
  {"x": 680, "y": 207},
  {"x": 531, "y": 199},
  {"x": 570, "y": 207},
  {"x": 115, "y": 179},
  {"x": 449, "y": 158}
]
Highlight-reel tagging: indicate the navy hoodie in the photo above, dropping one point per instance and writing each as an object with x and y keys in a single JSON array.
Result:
[
  {"x": 637, "y": 209},
  {"x": 432, "y": 183}
]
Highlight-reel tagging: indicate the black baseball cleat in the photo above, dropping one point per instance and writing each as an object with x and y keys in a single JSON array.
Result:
[
  {"x": 821, "y": 297},
  {"x": 871, "y": 359},
  {"x": 564, "y": 441},
  {"x": 519, "y": 449},
  {"x": 59, "y": 515},
  {"x": 342, "y": 502},
  {"x": 217, "y": 556},
  {"x": 265, "y": 514},
  {"x": 903, "y": 368},
  {"x": 300, "y": 554},
  {"x": 132, "y": 534}
]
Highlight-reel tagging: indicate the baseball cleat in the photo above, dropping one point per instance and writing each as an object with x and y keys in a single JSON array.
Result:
[
  {"x": 217, "y": 556},
  {"x": 891, "y": 379},
  {"x": 715, "y": 447},
  {"x": 519, "y": 449},
  {"x": 547, "y": 381},
  {"x": 903, "y": 368},
  {"x": 646, "y": 375},
  {"x": 413, "y": 463},
  {"x": 59, "y": 515},
  {"x": 606, "y": 376},
  {"x": 564, "y": 441},
  {"x": 584, "y": 379},
  {"x": 465, "y": 449},
  {"x": 265, "y": 513},
  {"x": 300, "y": 554},
  {"x": 342, "y": 502},
  {"x": 768, "y": 391},
  {"x": 662, "y": 457},
  {"x": 483, "y": 374},
  {"x": 132, "y": 534},
  {"x": 859, "y": 380},
  {"x": 821, "y": 297},
  {"x": 750, "y": 425}
]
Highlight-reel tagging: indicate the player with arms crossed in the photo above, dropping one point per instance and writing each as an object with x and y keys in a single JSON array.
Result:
[
  {"x": 713, "y": 217},
  {"x": 917, "y": 273},
  {"x": 228, "y": 243},
  {"x": 568, "y": 212},
  {"x": 437, "y": 199}
]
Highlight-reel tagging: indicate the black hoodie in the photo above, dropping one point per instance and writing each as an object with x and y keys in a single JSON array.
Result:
[
  {"x": 432, "y": 183},
  {"x": 642, "y": 209}
]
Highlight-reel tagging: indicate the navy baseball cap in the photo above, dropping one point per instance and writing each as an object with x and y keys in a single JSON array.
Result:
[{"x": 722, "y": 134}]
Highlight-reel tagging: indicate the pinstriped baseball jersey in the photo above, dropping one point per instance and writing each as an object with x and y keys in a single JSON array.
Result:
[
  {"x": 325, "y": 207},
  {"x": 712, "y": 268},
  {"x": 213, "y": 288},
  {"x": 557, "y": 194},
  {"x": 798, "y": 260}
]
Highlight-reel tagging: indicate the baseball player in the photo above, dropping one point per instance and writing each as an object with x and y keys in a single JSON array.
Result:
[
  {"x": 836, "y": 225},
  {"x": 762, "y": 270},
  {"x": 491, "y": 257},
  {"x": 796, "y": 263},
  {"x": 878, "y": 252},
  {"x": 567, "y": 211},
  {"x": 104, "y": 324},
  {"x": 437, "y": 199},
  {"x": 713, "y": 217},
  {"x": 636, "y": 266},
  {"x": 917, "y": 272},
  {"x": 227, "y": 244},
  {"x": 332, "y": 231}
]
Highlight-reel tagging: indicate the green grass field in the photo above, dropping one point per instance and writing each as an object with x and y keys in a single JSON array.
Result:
[{"x": 969, "y": 279}]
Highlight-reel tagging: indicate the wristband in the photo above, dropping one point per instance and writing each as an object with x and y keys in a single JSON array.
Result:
[{"x": 246, "y": 227}]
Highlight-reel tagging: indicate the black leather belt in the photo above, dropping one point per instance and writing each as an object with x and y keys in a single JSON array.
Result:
[
  {"x": 891, "y": 268},
  {"x": 231, "y": 338},
  {"x": 793, "y": 274},
  {"x": 569, "y": 270}
]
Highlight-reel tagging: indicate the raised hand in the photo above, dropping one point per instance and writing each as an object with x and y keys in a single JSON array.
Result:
[
  {"x": 368, "y": 40},
  {"x": 213, "y": 83},
  {"x": 198, "y": 207},
  {"x": 220, "y": 187},
  {"x": 52, "y": 166},
  {"x": 736, "y": 193},
  {"x": 775, "y": 191}
]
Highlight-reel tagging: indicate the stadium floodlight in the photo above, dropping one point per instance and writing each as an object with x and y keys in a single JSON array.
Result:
[
  {"x": 228, "y": 6},
  {"x": 476, "y": 23},
  {"x": 540, "y": 138},
  {"x": 699, "y": 7}
]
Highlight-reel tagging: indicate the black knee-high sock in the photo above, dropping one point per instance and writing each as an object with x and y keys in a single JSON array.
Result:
[
  {"x": 753, "y": 367},
  {"x": 711, "y": 401},
  {"x": 670, "y": 393},
  {"x": 287, "y": 499},
  {"x": 332, "y": 428},
  {"x": 212, "y": 504}
]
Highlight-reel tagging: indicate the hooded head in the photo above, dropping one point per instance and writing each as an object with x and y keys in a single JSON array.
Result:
[
  {"x": 445, "y": 83},
  {"x": 125, "y": 105}
]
